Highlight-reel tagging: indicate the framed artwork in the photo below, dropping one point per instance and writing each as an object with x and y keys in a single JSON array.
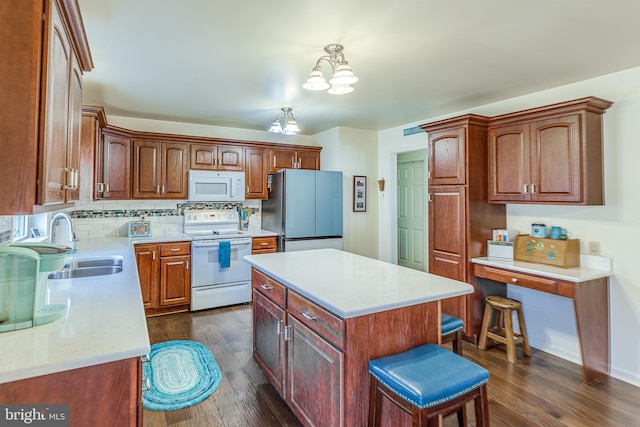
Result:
[{"x": 359, "y": 193}]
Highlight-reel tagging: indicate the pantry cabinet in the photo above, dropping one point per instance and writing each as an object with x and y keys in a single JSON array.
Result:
[
  {"x": 165, "y": 276},
  {"x": 217, "y": 157},
  {"x": 460, "y": 217},
  {"x": 160, "y": 169},
  {"x": 256, "y": 177},
  {"x": 550, "y": 155},
  {"x": 41, "y": 108}
]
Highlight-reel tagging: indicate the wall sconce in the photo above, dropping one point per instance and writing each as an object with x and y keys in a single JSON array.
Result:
[{"x": 381, "y": 184}]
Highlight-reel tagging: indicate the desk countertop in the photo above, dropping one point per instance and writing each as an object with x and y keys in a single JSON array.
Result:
[
  {"x": 592, "y": 268},
  {"x": 351, "y": 285}
]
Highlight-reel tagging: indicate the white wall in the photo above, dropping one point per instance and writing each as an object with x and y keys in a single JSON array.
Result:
[
  {"x": 354, "y": 152},
  {"x": 616, "y": 225},
  {"x": 193, "y": 129}
]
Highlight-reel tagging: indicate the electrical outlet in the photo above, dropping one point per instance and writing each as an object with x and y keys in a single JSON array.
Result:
[{"x": 594, "y": 248}]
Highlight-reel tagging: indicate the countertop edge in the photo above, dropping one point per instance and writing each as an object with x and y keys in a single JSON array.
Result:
[{"x": 579, "y": 274}]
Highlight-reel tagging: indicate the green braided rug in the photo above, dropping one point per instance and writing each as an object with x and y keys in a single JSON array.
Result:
[{"x": 181, "y": 374}]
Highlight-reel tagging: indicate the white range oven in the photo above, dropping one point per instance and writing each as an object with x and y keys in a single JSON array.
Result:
[{"x": 219, "y": 274}]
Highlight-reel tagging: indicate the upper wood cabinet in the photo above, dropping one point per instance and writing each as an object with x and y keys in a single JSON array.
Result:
[
  {"x": 447, "y": 157},
  {"x": 41, "y": 103},
  {"x": 217, "y": 157},
  {"x": 550, "y": 155},
  {"x": 293, "y": 158},
  {"x": 114, "y": 178},
  {"x": 256, "y": 176},
  {"x": 160, "y": 170}
]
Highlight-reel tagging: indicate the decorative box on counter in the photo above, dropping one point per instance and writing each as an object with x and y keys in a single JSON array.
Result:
[
  {"x": 556, "y": 252},
  {"x": 500, "y": 249}
]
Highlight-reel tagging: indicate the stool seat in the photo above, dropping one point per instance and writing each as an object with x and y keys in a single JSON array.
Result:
[
  {"x": 503, "y": 302},
  {"x": 450, "y": 324},
  {"x": 451, "y": 330},
  {"x": 428, "y": 375}
]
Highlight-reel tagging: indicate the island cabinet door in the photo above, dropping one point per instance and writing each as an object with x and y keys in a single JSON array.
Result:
[
  {"x": 268, "y": 342},
  {"x": 315, "y": 377}
]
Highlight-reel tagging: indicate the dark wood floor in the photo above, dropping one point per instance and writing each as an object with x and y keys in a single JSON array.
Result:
[{"x": 542, "y": 390}]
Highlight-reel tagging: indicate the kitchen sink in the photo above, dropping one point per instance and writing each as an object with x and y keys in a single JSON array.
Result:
[
  {"x": 115, "y": 261},
  {"x": 79, "y": 272}
]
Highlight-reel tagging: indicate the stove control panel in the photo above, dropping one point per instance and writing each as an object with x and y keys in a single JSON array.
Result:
[{"x": 210, "y": 217}]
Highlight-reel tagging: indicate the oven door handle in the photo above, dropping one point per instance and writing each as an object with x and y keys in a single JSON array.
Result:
[{"x": 217, "y": 244}]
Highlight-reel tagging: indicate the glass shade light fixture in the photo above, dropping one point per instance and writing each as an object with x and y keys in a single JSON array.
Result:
[
  {"x": 342, "y": 75},
  {"x": 285, "y": 123}
]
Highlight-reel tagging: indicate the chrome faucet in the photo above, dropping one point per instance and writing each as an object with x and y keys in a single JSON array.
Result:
[{"x": 52, "y": 224}]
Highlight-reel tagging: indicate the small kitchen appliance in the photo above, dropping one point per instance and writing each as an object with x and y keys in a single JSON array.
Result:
[
  {"x": 210, "y": 186},
  {"x": 139, "y": 229},
  {"x": 23, "y": 284},
  {"x": 219, "y": 274}
]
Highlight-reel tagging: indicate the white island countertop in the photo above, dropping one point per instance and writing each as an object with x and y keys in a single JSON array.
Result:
[{"x": 352, "y": 285}]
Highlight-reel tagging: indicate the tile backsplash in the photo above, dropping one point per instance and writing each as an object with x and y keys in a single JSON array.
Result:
[{"x": 110, "y": 218}]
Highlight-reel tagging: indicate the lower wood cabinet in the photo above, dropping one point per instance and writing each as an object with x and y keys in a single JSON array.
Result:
[
  {"x": 301, "y": 364},
  {"x": 108, "y": 394},
  {"x": 263, "y": 245},
  {"x": 165, "y": 276}
]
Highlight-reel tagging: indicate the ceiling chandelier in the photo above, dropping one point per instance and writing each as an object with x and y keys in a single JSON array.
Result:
[
  {"x": 342, "y": 76},
  {"x": 285, "y": 123}
]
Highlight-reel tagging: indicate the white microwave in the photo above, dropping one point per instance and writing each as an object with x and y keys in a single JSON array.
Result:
[{"x": 209, "y": 186}]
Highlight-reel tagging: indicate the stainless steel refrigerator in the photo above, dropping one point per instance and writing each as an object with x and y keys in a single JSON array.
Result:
[{"x": 305, "y": 209}]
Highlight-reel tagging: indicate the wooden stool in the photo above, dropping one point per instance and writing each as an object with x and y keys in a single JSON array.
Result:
[
  {"x": 451, "y": 330},
  {"x": 428, "y": 382},
  {"x": 502, "y": 329}
]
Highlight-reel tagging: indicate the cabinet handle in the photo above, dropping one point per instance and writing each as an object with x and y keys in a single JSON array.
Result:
[
  {"x": 514, "y": 280},
  {"x": 429, "y": 197},
  {"x": 247, "y": 188},
  {"x": 429, "y": 175},
  {"x": 153, "y": 254},
  {"x": 100, "y": 187},
  {"x": 279, "y": 326},
  {"x": 106, "y": 187},
  {"x": 309, "y": 316},
  {"x": 145, "y": 358},
  {"x": 533, "y": 189},
  {"x": 163, "y": 189},
  {"x": 287, "y": 333},
  {"x": 264, "y": 244},
  {"x": 525, "y": 188},
  {"x": 266, "y": 287},
  {"x": 157, "y": 188},
  {"x": 175, "y": 249},
  {"x": 68, "y": 179},
  {"x": 187, "y": 266},
  {"x": 146, "y": 384}
]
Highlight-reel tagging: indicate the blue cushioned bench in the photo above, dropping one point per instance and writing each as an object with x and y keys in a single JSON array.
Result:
[{"x": 428, "y": 381}]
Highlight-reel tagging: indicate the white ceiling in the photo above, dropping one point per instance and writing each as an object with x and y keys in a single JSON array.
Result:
[{"x": 237, "y": 62}]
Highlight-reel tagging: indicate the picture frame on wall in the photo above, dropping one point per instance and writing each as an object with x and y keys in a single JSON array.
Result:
[{"x": 359, "y": 193}]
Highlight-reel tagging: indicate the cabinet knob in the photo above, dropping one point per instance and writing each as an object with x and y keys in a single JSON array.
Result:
[{"x": 514, "y": 280}]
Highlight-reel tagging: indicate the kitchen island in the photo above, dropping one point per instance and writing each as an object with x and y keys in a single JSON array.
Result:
[{"x": 321, "y": 315}]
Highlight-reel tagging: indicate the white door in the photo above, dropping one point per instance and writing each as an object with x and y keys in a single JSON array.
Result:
[{"x": 412, "y": 237}]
